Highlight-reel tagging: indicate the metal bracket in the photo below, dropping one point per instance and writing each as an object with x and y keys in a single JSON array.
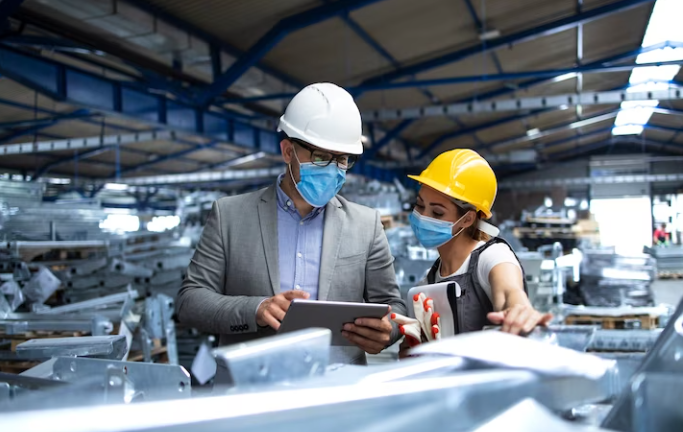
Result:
[
  {"x": 276, "y": 359},
  {"x": 167, "y": 311},
  {"x": 151, "y": 380}
]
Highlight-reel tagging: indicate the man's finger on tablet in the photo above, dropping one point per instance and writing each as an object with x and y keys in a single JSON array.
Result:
[
  {"x": 276, "y": 312},
  {"x": 380, "y": 337},
  {"x": 295, "y": 294},
  {"x": 271, "y": 321},
  {"x": 375, "y": 323},
  {"x": 367, "y": 345}
]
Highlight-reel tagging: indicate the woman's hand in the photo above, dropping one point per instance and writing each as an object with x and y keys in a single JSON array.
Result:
[
  {"x": 404, "y": 348},
  {"x": 519, "y": 319}
]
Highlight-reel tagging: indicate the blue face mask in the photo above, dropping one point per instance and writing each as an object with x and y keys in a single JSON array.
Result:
[
  {"x": 432, "y": 233},
  {"x": 318, "y": 185}
]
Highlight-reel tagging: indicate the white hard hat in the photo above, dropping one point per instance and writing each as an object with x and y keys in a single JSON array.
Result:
[{"x": 325, "y": 116}]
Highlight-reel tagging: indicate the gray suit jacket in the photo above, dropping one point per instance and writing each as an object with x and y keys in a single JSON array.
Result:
[{"x": 235, "y": 267}]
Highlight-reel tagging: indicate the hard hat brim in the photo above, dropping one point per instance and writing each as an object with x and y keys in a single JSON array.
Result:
[
  {"x": 444, "y": 190},
  {"x": 292, "y": 132}
]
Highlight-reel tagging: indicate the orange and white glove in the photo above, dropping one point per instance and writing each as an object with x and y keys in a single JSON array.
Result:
[
  {"x": 425, "y": 327},
  {"x": 410, "y": 328}
]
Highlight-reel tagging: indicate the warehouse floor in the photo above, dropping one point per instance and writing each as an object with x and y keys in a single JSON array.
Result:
[{"x": 668, "y": 291}]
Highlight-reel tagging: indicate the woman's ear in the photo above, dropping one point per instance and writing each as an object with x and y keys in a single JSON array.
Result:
[{"x": 470, "y": 218}]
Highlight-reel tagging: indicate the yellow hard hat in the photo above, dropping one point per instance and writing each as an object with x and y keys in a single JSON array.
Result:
[{"x": 464, "y": 175}]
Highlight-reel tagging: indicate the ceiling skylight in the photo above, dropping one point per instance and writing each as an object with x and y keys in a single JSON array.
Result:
[{"x": 663, "y": 27}]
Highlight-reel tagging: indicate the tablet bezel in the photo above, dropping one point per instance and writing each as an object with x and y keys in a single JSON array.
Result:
[{"x": 303, "y": 314}]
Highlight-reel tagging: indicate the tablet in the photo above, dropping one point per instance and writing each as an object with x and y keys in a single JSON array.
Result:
[
  {"x": 439, "y": 294},
  {"x": 304, "y": 314}
]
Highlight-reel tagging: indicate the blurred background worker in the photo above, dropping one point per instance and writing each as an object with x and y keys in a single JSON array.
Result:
[
  {"x": 660, "y": 237},
  {"x": 457, "y": 193},
  {"x": 296, "y": 238}
]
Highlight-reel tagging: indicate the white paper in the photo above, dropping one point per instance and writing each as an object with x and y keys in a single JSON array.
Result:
[
  {"x": 508, "y": 351},
  {"x": 203, "y": 366}
]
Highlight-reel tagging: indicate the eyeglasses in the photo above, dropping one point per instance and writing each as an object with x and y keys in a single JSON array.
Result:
[{"x": 322, "y": 158}]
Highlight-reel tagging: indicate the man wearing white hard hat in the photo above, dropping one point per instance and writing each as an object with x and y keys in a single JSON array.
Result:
[{"x": 296, "y": 239}]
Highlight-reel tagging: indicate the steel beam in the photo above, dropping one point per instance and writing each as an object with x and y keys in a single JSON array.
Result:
[
  {"x": 553, "y": 130},
  {"x": 602, "y": 63},
  {"x": 169, "y": 157},
  {"x": 29, "y": 127},
  {"x": 386, "y": 139},
  {"x": 19, "y": 105},
  {"x": 40, "y": 172},
  {"x": 94, "y": 142},
  {"x": 48, "y": 120},
  {"x": 585, "y": 181},
  {"x": 481, "y": 29},
  {"x": 272, "y": 38},
  {"x": 203, "y": 177},
  {"x": 616, "y": 141},
  {"x": 372, "y": 43},
  {"x": 235, "y": 161},
  {"x": 474, "y": 129},
  {"x": 538, "y": 102},
  {"x": 510, "y": 76},
  {"x": 213, "y": 41},
  {"x": 590, "y": 134},
  {"x": 515, "y": 38},
  {"x": 50, "y": 43},
  {"x": 72, "y": 85}
]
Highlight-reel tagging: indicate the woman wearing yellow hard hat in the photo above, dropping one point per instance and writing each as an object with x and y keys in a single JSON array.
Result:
[{"x": 457, "y": 192}]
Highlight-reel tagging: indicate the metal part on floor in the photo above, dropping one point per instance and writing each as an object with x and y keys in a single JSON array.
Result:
[{"x": 106, "y": 347}]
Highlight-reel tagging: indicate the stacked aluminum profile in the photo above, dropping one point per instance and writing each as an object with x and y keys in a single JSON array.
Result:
[{"x": 610, "y": 279}]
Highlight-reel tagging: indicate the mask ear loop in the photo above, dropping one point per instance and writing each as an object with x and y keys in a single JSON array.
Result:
[
  {"x": 289, "y": 166},
  {"x": 461, "y": 229}
]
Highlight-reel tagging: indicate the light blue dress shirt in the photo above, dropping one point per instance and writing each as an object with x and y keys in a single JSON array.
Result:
[{"x": 300, "y": 245}]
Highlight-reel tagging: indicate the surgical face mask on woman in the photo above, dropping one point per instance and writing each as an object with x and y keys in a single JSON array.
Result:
[
  {"x": 432, "y": 233},
  {"x": 318, "y": 185}
]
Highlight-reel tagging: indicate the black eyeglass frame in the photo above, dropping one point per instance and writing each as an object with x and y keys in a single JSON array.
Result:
[{"x": 351, "y": 159}]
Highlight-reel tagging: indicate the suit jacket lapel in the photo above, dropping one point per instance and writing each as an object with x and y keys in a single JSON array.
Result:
[
  {"x": 267, "y": 213},
  {"x": 332, "y": 234}
]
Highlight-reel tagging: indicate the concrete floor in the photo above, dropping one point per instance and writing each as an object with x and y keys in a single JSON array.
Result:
[{"x": 668, "y": 291}]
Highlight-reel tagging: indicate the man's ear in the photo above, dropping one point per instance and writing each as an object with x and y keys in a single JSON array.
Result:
[{"x": 286, "y": 148}]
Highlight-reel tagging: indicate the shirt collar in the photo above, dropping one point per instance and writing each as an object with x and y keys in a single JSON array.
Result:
[{"x": 286, "y": 204}]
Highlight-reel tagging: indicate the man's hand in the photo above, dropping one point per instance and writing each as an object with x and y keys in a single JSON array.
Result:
[
  {"x": 271, "y": 311},
  {"x": 519, "y": 319},
  {"x": 372, "y": 335}
]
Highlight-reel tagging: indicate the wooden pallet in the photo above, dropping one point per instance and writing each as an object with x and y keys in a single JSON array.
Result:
[
  {"x": 670, "y": 275},
  {"x": 609, "y": 322},
  {"x": 159, "y": 353},
  {"x": 17, "y": 367}
]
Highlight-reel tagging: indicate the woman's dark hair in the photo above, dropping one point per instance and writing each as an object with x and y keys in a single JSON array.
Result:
[{"x": 473, "y": 231}]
